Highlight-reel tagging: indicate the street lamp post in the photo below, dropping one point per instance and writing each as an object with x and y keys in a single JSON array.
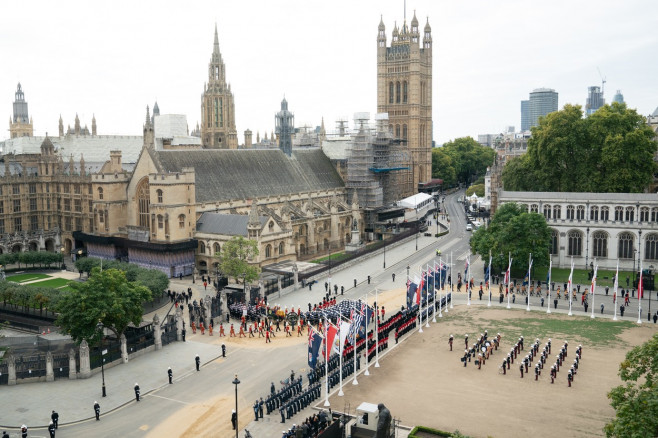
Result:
[
  {"x": 244, "y": 287},
  {"x": 587, "y": 250},
  {"x": 236, "y": 382},
  {"x": 101, "y": 329},
  {"x": 634, "y": 251},
  {"x": 384, "y": 242}
]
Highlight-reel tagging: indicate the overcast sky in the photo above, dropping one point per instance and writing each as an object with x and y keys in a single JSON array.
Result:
[{"x": 112, "y": 59}]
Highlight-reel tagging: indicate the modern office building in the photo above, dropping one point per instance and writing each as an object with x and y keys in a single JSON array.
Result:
[
  {"x": 525, "y": 115},
  {"x": 619, "y": 98},
  {"x": 542, "y": 101},
  {"x": 595, "y": 99}
]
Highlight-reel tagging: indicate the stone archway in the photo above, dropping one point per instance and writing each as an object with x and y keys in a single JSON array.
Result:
[
  {"x": 17, "y": 248},
  {"x": 33, "y": 246},
  {"x": 68, "y": 245},
  {"x": 50, "y": 245}
]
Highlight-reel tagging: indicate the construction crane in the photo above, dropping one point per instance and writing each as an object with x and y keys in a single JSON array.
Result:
[{"x": 602, "y": 80}]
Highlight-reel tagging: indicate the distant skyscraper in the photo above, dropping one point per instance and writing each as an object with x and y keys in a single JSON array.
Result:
[
  {"x": 542, "y": 101},
  {"x": 619, "y": 98},
  {"x": 595, "y": 99},
  {"x": 525, "y": 115}
]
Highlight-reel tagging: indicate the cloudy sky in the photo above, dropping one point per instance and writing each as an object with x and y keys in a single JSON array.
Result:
[{"x": 112, "y": 59}]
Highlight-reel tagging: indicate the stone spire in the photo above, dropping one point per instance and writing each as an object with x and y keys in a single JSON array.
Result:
[
  {"x": 254, "y": 219},
  {"x": 93, "y": 124}
]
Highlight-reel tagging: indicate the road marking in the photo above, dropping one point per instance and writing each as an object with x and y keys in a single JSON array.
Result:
[
  {"x": 170, "y": 399},
  {"x": 144, "y": 427}
]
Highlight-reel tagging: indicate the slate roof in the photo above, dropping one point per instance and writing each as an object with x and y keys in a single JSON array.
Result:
[
  {"x": 225, "y": 224},
  {"x": 505, "y": 195},
  {"x": 223, "y": 174}
]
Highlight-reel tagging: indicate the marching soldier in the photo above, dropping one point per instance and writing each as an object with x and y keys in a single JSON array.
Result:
[
  {"x": 51, "y": 429},
  {"x": 504, "y": 366},
  {"x": 232, "y": 332},
  {"x": 223, "y": 350},
  {"x": 521, "y": 369},
  {"x": 450, "y": 342},
  {"x": 260, "y": 407},
  {"x": 97, "y": 410},
  {"x": 466, "y": 340},
  {"x": 137, "y": 393},
  {"x": 197, "y": 361},
  {"x": 256, "y": 410},
  {"x": 465, "y": 358},
  {"x": 171, "y": 375}
]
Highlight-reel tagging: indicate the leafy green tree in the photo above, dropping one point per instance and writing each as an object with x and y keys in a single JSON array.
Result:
[
  {"x": 462, "y": 160},
  {"x": 478, "y": 189},
  {"x": 107, "y": 297},
  {"x": 86, "y": 264},
  {"x": 443, "y": 168},
  {"x": 156, "y": 281},
  {"x": 636, "y": 401},
  {"x": 513, "y": 230},
  {"x": 610, "y": 151},
  {"x": 234, "y": 258}
]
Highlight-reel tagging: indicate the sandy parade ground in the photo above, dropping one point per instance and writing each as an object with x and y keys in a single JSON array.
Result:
[{"x": 423, "y": 383}]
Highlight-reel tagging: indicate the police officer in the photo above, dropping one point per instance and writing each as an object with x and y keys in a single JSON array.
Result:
[
  {"x": 171, "y": 375},
  {"x": 450, "y": 342},
  {"x": 55, "y": 417},
  {"x": 137, "y": 393},
  {"x": 260, "y": 407},
  {"x": 97, "y": 410},
  {"x": 256, "y": 410},
  {"x": 234, "y": 419},
  {"x": 197, "y": 360},
  {"x": 223, "y": 350},
  {"x": 51, "y": 429},
  {"x": 24, "y": 431}
]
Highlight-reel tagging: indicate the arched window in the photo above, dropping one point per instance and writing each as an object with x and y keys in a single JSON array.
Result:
[
  {"x": 159, "y": 193},
  {"x": 575, "y": 243},
  {"x": 651, "y": 247},
  {"x": 594, "y": 213},
  {"x": 268, "y": 251},
  {"x": 557, "y": 212},
  {"x": 404, "y": 92},
  {"x": 143, "y": 203},
  {"x": 619, "y": 213},
  {"x": 570, "y": 212},
  {"x": 160, "y": 222},
  {"x": 181, "y": 221},
  {"x": 605, "y": 213},
  {"x": 397, "y": 92},
  {"x": 216, "y": 248},
  {"x": 555, "y": 236},
  {"x": 630, "y": 214},
  {"x": 100, "y": 193},
  {"x": 547, "y": 212},
  {"x": 580, "y": 212},
  {"x": 391, "y": 92},
  {"x": 625, "y": 246},
  {"x": 534, "y": 208},
  {"x": 271, "y": 226},
  {"x": 654, "y": 214},
  {"x": 644, "y": 214},
  {"x": 202, "y": 248},
  {"x": 397, "y": 131},
  {"x": 600, "y": 244},
  {"x": 404, "y": 131},
  {"x": 281, "y": 248}
]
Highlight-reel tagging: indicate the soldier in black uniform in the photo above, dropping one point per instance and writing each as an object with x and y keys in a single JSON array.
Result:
[
  {"x": 465, "y": 358},
  {"x": 137, "y": 393},
  {"x": 256, "y": 410},
  {"x": 223, "y": 350},
  {"x": 234, "y": 419},
  {"x": 51, "y": 429},
  {"x": 171, "y": 375},
  {"x": 450, "y": 342},
  {"x": 55, "y": 417},
  {"x": 521, "y": 369},
  {"x": 24, "y": 431},
  {"x": 197, "y": 360},
  {"x": 283, "y": 418},
  {"x": 260, "y": 407},
  {"x": 97, "y": 410}
]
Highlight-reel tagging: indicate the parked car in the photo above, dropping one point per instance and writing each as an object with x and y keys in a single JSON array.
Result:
[{"x": 469, "y": 227}]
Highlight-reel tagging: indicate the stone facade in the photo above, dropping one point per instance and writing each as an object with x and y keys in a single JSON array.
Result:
[
  {"x": 20, "y": 125},
  {"x": 608, "y": 227},
  {"x": 404, "y": 91}
]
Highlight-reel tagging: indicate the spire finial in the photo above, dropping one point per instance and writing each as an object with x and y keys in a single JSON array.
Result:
[{"x": 216, "y": 43}]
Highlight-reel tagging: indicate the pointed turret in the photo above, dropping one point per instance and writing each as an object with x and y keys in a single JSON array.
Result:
[
  {"x": 77, "y": 124},
  {"x": 93, "y": 125},
  {"x": 82, "y": 165},
  {"x": 149, "y": 136},
  {"x": 61, "y": 126},
  {"x": 215, "y": 48},
  {"x": 427, "y": 36},
  {"x": 47, "y": 147}
]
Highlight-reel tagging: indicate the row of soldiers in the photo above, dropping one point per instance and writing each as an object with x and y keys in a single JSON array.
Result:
[
  {"x": 480, "y": 350},
  {"x": 279, "y": 398},
  {"x": 526, "y": 362},
  {"x": 300, "y": 401},
  {"x": 514, "y": 352}
]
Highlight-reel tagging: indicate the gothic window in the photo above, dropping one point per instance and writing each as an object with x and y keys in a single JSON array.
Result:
[
  {"x": 2, "y": 207},
  {"x": 18, "y": 224},
  {"x": 221, "y": 113},
  {"x": 160, "y": 221},
  {"x": 651, "y": 247},
  {"x": 575, "y": 243},
  {"x": 216, "y": 112},
  {"x": 570, "y": 212},
  {"x": 268, "y": 251},
  {"x": 644, "y": 214},
  {"x": 654, "y": 214},
  {"x": 91, "y": 190},
  {"x": 159, "y": 193},
  {"x": 404, "y": 131},
  {"x": 555, "y": 236},
  {"x": 91, "y": 224},
  {"x": 605, "y": 213},
  {"x": 630, "y": 214},
  {"x": 100, "y": 193},
  {"x": 594, "y": 213},
  {"x": 547, "y": 212},
  {"x": 600, "y": 244},
  {"x": 143, "y": 203},
  {"x": 397, "y": 131},
  {"x": 534, "y": 208},
  {"x": 76, "y": 189},
  {"x": 33, "y": 188},
  {"x": 33, "y": 204},
  {"x": 16, "y": 190},
  {"x": 216, "y": 248},
  {"x": 17, "y": 205},
  {"x": 67, "y": 205},
  {"x": 557, "y": 211},
  {"x": 625, "y": 246},
  {"x": 181, "y": 221},
  {"x": 0, "y": 190},
  {"x": 2, "y": 226},
  {"x": 271, "y": 226},
  {"x": 404, "y": 91},
  {"x": 34, "y": 223},
  {"x": 580, "y": 212},
  {"x": 78, "y": 223},
  {"x": 397, "y": 92},
  {"x": 91, "y": 205},
  {"x": 280, "y": 248},
  {"x": 391, "y": 92},
  {"x": 101, "y": 216},
  {"x": 619, "y": 213},
  {"x": 202, "y": 248}
]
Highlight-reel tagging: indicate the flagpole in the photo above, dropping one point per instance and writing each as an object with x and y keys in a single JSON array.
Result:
[
  {"x": 593, "y": 288},
  {"x": 352, "y": 328},
  {"x": 640, "y": 291},
  {"x": 427, "y": 296},
  {"x": 614, "y": 292},
  {"x": 326, "y": 363},
  {"x": 508, "y": 274},
  {"x": 451, "y": 280},
  {"x": 569, "y": 287},
  {"x": 367, "y": 372},
  {"x": 376, "y": 332},
  {"x": 548, "y": 285},
  {"x": 489, "y": 279},
  {"x": 440, "y": 278},
  {"x": 420, "y": 302},
  {"x": 340, "y": 359},
  {"x": 529, "y": 269},
  {"x": 434, "y": 288},
  {"x": 468, "y": 283}
]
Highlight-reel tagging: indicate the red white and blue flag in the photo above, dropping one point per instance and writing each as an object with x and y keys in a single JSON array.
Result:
[{"x": 314, "y": 342}]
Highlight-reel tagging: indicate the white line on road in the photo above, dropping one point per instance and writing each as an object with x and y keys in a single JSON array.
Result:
[{"x": 167, "y": 398}]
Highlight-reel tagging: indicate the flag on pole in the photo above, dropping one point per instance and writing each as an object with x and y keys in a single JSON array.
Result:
[
  {"x": 343, "y": 331},
  {"x": 593, "y": 284},
  {"x": 507, "y": 273},
  {"x": 411, "y": 293},
  {"x": 420, "y": 290},
  {"x": 356, "y": 317},
  {"x": 330, "y": 336},
  {"x": 568, "y": 291},
  {"x": 466, "y": 265},
  {"x": 640, "y": 285},
  {"x": 548, "y": 275},
  {"x": 314, "y": 342}
]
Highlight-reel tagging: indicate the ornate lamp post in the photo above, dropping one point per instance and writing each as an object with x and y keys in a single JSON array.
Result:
[
  {"x": 236, "y": 382},
  {"x": 101, "y": 329}
]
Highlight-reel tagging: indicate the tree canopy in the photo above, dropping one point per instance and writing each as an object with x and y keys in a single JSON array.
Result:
[
  {"x": 155, "y": 280},
  {"x": 462, "y": 160},
  {"x": 234, "y": 258},
  {"x": 513, "y": 230},
  {"x": 610, "y": 151},
  {"x": 636, "y": 401},
  {"x": 106, "y": 297},
  {"x": 478, "y": 189}
]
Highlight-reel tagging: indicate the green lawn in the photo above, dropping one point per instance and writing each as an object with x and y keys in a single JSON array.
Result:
[
  {"x": 55, "y": 283},
  {"x": 561, "y": 275},
  {"x": 22, "y": 278},
  {"x": 333, "y": 258}
]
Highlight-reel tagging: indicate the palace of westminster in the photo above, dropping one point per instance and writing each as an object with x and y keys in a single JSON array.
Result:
[{"x": 170, "y": 199}]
